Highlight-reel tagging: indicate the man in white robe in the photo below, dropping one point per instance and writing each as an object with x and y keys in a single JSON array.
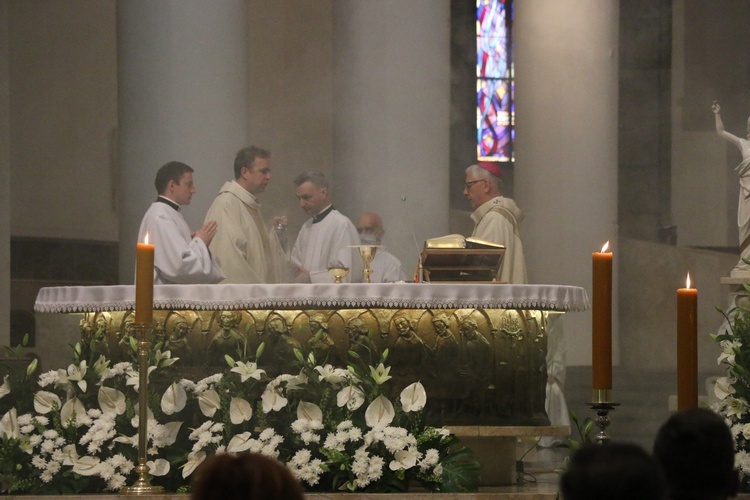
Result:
[
  {"x": 244, "y": 247},
  {"x": 179, "y": 256},
  {"x": 496, "y": 218},
  {"x": 322, "y": 237},
  {"x": 386, "y": 268}
]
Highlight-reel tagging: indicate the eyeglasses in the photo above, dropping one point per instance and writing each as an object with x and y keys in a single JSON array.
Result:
[{"x": 468, "y": 185}]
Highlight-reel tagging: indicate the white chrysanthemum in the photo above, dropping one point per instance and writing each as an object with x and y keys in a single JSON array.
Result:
[
  {"x": 742, "y": 461},
  {"x": 39, "y": 462},
  {"x": 267, "y": 434},
  {"x": 47, "y": 378},
  {"x": 375, "y": 468},
  {"x": 332, "y": 442},
  {"x": 431, "y": 458}
]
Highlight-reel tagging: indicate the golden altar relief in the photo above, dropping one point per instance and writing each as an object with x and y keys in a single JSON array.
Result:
[{"x": 479, "y": 363}]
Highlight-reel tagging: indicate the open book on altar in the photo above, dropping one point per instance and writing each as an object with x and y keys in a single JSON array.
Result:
[{"x": 459, "y": 259}]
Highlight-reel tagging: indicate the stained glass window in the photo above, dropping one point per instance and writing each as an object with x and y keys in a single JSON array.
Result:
[{"x": 495, "y": 107}]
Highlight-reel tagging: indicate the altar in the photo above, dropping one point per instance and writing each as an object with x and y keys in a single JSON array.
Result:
[{"x": 478, "y": 349}]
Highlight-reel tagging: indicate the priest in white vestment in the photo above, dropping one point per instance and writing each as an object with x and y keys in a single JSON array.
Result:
[
  {"x": 322, "y": 237},
  {"x": 246, "y": 249},
  {"x": 386, "y": 268},
  {"x": 496, "y": 218},
  {"x": 179, "y": 256}
]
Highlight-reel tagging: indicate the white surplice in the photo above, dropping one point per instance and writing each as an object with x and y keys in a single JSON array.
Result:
[{"x": 318, "y": 245}]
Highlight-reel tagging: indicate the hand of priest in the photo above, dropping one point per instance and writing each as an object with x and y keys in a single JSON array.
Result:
[{"x": 207, "y": 232}]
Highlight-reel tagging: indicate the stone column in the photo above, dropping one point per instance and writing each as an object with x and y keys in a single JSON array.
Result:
[
  {"x": 4, "y": 179},
  {"x": 391, "y": 117},
  {"x": 183, "y": 87},
  {"x": 566, "y": 156}
]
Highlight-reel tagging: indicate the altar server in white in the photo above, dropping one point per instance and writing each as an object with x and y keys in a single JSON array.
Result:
[
  {"x": 496, "y": 218},
  {"x": 244, "y": 247},
  {"x": 179, "y": 255},
  {"x": 324, "y": 235},
  {"x": 386, "y": 268}
]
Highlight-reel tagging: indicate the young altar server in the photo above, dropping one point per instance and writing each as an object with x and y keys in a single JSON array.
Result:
[{"x": 179, "y": 256}]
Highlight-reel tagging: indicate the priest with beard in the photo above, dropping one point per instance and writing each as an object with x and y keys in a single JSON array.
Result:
[{"x": 180, "y": 257}]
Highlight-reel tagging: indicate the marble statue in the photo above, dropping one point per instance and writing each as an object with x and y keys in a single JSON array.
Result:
[{"x": 742, "y": 269}]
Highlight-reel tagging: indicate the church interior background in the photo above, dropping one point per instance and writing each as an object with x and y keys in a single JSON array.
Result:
[{"x": 615, "y": 141}]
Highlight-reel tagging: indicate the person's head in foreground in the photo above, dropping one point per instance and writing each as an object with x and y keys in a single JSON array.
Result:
[
  {"x": 248, "y": 476},
  {"x": 612, "y": 471},
  {"x": 696, "y": 450}
]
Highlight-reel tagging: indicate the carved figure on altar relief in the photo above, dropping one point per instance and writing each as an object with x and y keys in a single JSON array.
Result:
[
  {"x": 281, "y": 345},
  {"x": 409, "y": 351},
  {"x": 177, "y": 342},
  {"x": 124, "y": 346},
  {"x": 360, "y": 342},
  {"x": 742, "y": 269},
  {"x": 321, "y": 343},
  {"x": 226, "y": 340},
  {"x": 446, "y": 353},
  {"x": 477, "y": 351}
]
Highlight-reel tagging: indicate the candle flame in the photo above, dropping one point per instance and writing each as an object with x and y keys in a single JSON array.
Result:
[
  {"x": 687, "y": 281},
  {"x": 145, "y": 239},
  {"x": 605, "y": 247}
]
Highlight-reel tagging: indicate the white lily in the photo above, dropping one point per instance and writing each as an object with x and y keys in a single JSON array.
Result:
[
  {"x": 209, "y": 402},
  {"x": 380, "y": 373},
  {"x": 77, "y": 373},
  {"x": 240, "y": 442},
  {"x": 9, "y": 427},
  {"x": 351, "y": 396},
  {"x": 240, "y": 411},
  {"x": 158, "y": 467},
  {"x": 413, "y": 397},
  {"x": 5, "y": 388},
  {"x": 111, "y": 400},
  {"x": 723, "y": 388},
  {"x": 380, "y": 413},
  {"x": 309, "y": 411},
  {"x": 164, "y": 359},
  {"x": 73, "y": 408},
  {"x": 100, "y": 365},
  {"x": 174, "y": 399},
  {"x": 194, "y": 459},
  {"x": 247, "y": 370},
  {"x": 332, "y": 375},
  {"x": 404, "y": 459},
  {"x": 728, "y": 349}
]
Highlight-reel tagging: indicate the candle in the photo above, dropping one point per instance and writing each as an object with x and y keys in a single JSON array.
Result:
[
  {"x": 687, "y": 347},
  {"x": 601, "y": 321},
  {"x": 144, "y": 282}
]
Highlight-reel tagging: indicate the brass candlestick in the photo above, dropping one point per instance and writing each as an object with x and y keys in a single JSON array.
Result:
[{"x": 142, "y": 486}]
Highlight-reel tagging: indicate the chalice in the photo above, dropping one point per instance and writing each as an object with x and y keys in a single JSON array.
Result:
[
  {"x": 367, "y": 252},
  {"x": 338, "y": 272}
]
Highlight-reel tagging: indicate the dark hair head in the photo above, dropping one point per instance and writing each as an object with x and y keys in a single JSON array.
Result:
[
  {"x": 172, "y": 171},
  {"x": 317, "y": 178},
  {"x": 612, "y": 471},
  {"x": 245, "y": 157},
  {"x": 248, "y": 476},
  {"x": 696, "y": 450}
]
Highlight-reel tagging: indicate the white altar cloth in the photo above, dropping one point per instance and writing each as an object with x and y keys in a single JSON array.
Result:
[{"x": 68, "y": 299}]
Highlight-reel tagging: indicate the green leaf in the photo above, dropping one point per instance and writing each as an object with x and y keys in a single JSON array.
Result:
[{"x": 460, "y": 471}]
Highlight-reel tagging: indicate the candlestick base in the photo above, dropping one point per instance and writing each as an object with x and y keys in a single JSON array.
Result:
[
  {"x": 142, "y": 486},
  {"x": 602, "y": 419}
]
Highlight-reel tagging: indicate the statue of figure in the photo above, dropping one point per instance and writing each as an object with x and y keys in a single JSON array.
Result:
[
  {"x": 360, "y": 342},
  {"x": 177, "y": 342},
  {"x": 409, "y": 351},
  {"x": 477, "y": 361},
  {"x": 446, "y": 354},
  {"x": 226, "y": 340},
  {"x": 281, "y": 346},
  {"x": 321, "y": 343},
  {"x": 101, "y": 334},
  {"x": 126, "y": 333},
  {"x": 742, "y": 268}
]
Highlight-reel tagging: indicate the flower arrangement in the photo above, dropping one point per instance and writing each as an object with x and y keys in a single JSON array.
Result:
[
  {"x": 75, "y": 430},
  {"x": 733, "y": 390}
]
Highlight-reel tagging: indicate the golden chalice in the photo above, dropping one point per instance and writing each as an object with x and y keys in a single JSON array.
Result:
[
  {"x": 367, "y": 252},
  {"x": 338, "y": 273}
]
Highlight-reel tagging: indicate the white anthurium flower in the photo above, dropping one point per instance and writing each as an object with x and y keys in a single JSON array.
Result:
[
  {"x": 240, "y": 410},
  {"x": 136, "y": 417},
  {"x": 309, "y": 411},
  {"x": 5, "y": 388},
  {"x": 247, "y": 371},
  {"x": 351, "y": 396},
  {"x": 272, "y": 401},
  {"x": 174, "y": 399},
  {"x": 77, "y": 373},
  {"x": 9, "y": 427},
  {"x": 165, "y": 358},
  {"x": 240, "y": 442},
  {"x": 73, "y": 408},
  {"x": 331, "y": 374},
  {"x": 70, "y": 455},
  {"x": 723, "y": 388},
  {"x": 380, "y": 413},
  {"x": 413, "y": 397},
  {"x": 158, "y": 467},
  {"x": 404, "y": 459},
  {"x": 194, "y": 459},
  {"x": 111, "y": 400},
  {"x": 380, "y": 373},
  {"x": 45, "y": 401},
  {"x": 171, "y": 430},
  {"x": 86, "y": 466},
  {"x": 209, "y": 402}
]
